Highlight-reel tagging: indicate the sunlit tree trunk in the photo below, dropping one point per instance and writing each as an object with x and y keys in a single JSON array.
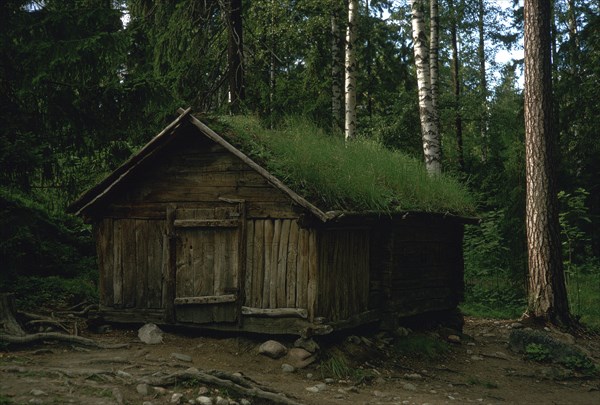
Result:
[
  {"x": 337, "y": 64},
  {"x": 434, "y": 41},
  {"x": 427, "y": 114},
  {"x": 456, "y": 83},
  {"x": 484, "y": 86},
  {"x": 350, "y": 81},
  {"x": 547, "y": 292},
  {"x": 235, "y": 54}
]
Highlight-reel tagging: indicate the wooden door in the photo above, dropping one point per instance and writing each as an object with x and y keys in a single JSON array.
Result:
[{"x": 207, "y": 265}]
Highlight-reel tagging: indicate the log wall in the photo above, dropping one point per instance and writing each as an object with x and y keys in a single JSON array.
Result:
[
  {"x": 426, "y": 272},
  {"x": 344, "y": 273},
  {"x": 131, "y": 258},
  {"x": 279, "y": 271}
]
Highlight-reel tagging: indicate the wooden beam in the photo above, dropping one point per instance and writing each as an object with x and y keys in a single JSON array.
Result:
[
  {"x": 208, "y": 299},
  {"x": 171, "y": 266},
  {"x": 276, "y": 312},
  {"x": 206, "y": 223}
]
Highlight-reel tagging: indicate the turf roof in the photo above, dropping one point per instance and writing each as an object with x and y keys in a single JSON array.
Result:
[{"x": 360, "y": 176}]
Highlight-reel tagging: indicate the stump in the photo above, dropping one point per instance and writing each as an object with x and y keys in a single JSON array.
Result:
[{"x": 8, "y": 323}]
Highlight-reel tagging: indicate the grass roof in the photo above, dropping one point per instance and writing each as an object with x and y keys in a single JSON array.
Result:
[{"x": 358, "y": 176}]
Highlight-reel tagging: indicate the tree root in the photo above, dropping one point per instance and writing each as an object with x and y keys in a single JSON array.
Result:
[
  {"x": 231, "y": 382},
  {"x": 36, "y": 337}
]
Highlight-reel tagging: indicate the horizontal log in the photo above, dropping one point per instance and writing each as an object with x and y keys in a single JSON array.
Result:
[
  {"x": 276, "y": 312},
  {"x": 208, "y": 299},
  {"x": 206, "y": 223}
]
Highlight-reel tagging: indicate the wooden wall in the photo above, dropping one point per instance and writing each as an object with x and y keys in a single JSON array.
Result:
[
  {"x": 427, "y": 268},
  {"x": 131, "y": 261},
  {"x": 344, "y": 273},
  {"x": 280, "y": 266}
]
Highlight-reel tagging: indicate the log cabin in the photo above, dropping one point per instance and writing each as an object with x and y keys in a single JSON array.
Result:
[{"x": 191, "y": 231}]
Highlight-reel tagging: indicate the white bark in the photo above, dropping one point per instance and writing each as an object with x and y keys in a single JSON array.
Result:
[
  {"x": 427, "y": 113},
  {"x": 434, "y": 41},
  {"x": 350, "y": 82},
  {"x": 336, "y": 69}
]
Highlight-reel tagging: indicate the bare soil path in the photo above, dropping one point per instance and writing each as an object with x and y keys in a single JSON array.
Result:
[{"x": 478, "y": 370}]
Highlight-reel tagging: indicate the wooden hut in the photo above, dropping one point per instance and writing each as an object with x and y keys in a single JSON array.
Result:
[{"x": 191, "y": 231}]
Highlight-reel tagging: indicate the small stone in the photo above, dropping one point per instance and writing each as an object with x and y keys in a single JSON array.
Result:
[
  {"x": 471, "y": 344},
  {"x": 147, "y": 403},
  {"x": 307, "y": 344},
  {"x": 402, "y": 331},
  {"x": 203, "y": 400},
  {"x": 123, "y": 374},
  {"x": 354, "y": 339},
  {"x": 181, "y": 357},
  {"x": 469, "y": 352},
  {"x": 453, "y": 338},
  {"x": 176, "y": 398},
  {"x": 244, "y": 401},
  {"x": 297, "y": 354},
  {"x": 191, "y": 402},
  {"x": 118, "y": 396},
  {"x": 352, "y": 389},
  {"x": 476, "y": 358},
  {"x": 221, "y": 401},
  {"x": 160, "y": 390},
  {"x": 432, "y": 391},
  {"x": 516, "y": 325},
  {"x": 413, "y": 376},
  {"x": 37, "y": 393},
  {"x": 489, "y": 335},
  {"x": 329, "y": 381},
  {"x": 143, "y": 389},
  {"x": 321, "y": 387},
  {"x": 287, "y": 368},
  {"x": 313, "y": 389},
  {"x": 339, "y": 396},
  {"x": 203, "y": 390},
  {"x": 501, "y": 355},
  {"x": 309, "y": 375},
  {"x": 409, "y": 387},
  {"x": 150, "y": 334},
  {"x": 380, "y": 380},
  {"x": 272, "y": 349},
  {"x": 380, "y": 394}
]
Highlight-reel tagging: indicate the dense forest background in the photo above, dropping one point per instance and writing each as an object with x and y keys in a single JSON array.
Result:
[{"x": 84, "y": 83}]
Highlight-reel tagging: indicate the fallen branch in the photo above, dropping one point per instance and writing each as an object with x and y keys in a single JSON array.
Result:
[
  {"x": 225, "y": 381},
  {"x": 36, "y": 337}
]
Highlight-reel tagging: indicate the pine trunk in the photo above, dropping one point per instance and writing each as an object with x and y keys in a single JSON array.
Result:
[
  {"x": 235, "y": 55},
  {"x": 427, "y": 114},
  {"x": 456, "y": 84},
  {"x": 547, "y": 292},
  {"x": 350, "y": 81},
  {"x": 484, "y": 86}
]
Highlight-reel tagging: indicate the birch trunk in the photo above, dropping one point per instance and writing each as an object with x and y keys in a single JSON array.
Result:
[
  {"x": 336, "y": 68},
  {"x": 434, "y": 41},
  {"x": 429, "y": 130},
  {"x": 547, "y": 292},
  {"x": 350, "y": 81}
]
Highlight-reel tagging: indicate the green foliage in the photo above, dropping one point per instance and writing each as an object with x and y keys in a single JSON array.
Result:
[
  {"x": 339, "y": 366},
  {"x": 537, "y": 352},
  {"x": 55, "y": 292},
  {"x": 358, "y": 176},
  {"x": 36, "y": 243},
  {"x": 421, "y": 345}
]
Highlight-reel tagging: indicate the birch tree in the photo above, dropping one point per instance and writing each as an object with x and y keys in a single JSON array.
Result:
[
  {"x": 235, "y": 54},
  {"x": 350, "y": 78},
  {"x": 456, "y": 85},
  {"x": 429, "y": 129},
  {"x": 337, "y": 64},
  {"x": 547, "y": 292}
]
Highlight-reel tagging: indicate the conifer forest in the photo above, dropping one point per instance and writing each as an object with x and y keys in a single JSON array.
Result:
[{"x": 446, "y": 84}]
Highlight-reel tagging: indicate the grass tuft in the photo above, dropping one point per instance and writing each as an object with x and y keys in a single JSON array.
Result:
[{"x": 357, "y": 176}]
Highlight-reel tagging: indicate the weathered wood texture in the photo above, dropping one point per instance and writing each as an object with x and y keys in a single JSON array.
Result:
[
  {"x": 343, "y": 277},
  {"x": 194, "y": 171},
  {"x": 207, "y": 275},
  {"x": 278, "y": 264},
  {"x": 130, "y": 259},
  {"x": 426, "y": 272}
]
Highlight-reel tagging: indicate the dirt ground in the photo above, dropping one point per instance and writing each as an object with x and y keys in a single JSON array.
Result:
[{"x": 478, "y": 369}]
